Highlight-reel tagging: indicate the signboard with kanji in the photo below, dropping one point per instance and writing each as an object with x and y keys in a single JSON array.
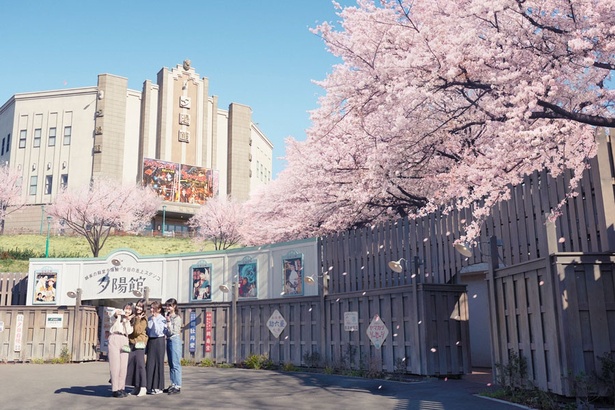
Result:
[
  {"x": 192, "y": 334},
  {"x": 377, "y": 331},
  {"x": 208, "y": 322},
  {"x": 276, "y": 323},
  {"x": 351, "y": 321}
]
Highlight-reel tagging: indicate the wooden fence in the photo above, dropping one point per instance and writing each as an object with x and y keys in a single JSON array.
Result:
[
  {"x": 13, "y": 288},
  {"x": 427, "y": 330},
  {"x": 26, "y": 333}
]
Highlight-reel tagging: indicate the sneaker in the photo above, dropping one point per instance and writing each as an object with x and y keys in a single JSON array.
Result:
[
  {"x": 174, "y": 390},
  {"x": 142, "y": 392},
  {"x": 120, "y": 394},
  {"x": 155, "y": 391},
  {"x": 168, "y": 388}
]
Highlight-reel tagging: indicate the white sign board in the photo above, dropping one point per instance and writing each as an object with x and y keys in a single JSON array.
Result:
[
  {"x": 351, "y": 321},
  {"x": 54, "y": 320},
  {"x": 377, "y": 331},
  {"x": 18, "y": 333},
  {"x": 276, "y": 323}
]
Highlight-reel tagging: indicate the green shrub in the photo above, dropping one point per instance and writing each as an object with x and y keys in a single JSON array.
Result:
[
  {"x": 207, "y": 362},
  {"x": 258, "y": 361},
  {"x": 37, "y": 360},
  {"x": 312, "y": 359},
  {"x": 188, "y": 362},
  {"x": 289, "y": 367},
  {"x": 65, "y": 356}
]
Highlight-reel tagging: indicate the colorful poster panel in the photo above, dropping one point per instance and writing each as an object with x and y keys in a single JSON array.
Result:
[
  {"x": 201, "y": 283},
  {"x": 45, "y": 286},
  {"x": 248, "y": 279},
  {"x": 292, "y": 265},
  {"x": 162, "y": 177}
]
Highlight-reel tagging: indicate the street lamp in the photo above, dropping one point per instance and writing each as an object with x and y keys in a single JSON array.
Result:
[
  {"x": 76, "y": 347},
  {"x": 164, "y": 216},
  {"x": 144, "y": 294},
  {"x": 47, "y": 242}
]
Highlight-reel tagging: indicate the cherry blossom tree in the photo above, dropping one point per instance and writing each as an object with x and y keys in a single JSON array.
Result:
[
  {"x": 445, "y": 105},
  {"x": 11, "y": 198},
  {"x": 92, "y": 211},
  {"x": 219, "y": 220}
]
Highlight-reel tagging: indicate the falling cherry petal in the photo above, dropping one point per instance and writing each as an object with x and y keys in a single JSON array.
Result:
[
  {"x": 425, "y": 239},
  {"x": 488, "y": 384},
  {"x": 458, "y": 343},
  {"x": 448, "y": 233},
  {"x": 413, "y": 275},
  {"x": 542, "y": 282},
  {"x": 394, "y": 334},
  {"x": 474, "y": 296},
  {"x": 562, "y": 240},
  {"x": 345, "y": 273},
  {"x": 310, "y": 310},
  {"x": 403, "y": 360},
  {"x": 397, "y": 326},
  {"x": 433, "y": 349},
  {"x": 446, "y": 379},
  {"x": 364, "y": 293},
  {"x": 330, "y": 267},
  {"x": 379, "y": 387},
  {"x": 337, "y": 300},
  {"x": 286, "y": 338},
  {"x": 420, "y": 321}
]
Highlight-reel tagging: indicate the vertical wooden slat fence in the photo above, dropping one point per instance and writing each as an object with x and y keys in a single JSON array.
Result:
[
  {"x": 13, "y": 288},
  {"x": 41, "y": 342}
]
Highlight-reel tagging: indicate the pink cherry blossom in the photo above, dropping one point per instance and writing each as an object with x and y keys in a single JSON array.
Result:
[
  {"x": 443, "y": 105},
  {"x": 93, "y": 210},
  {"x": 11, "y": 198},
  {"x": 219, "y": 221}
]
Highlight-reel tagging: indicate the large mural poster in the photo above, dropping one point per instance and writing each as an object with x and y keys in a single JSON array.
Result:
[
  {"x": 248, "y": 278},
  {"x": 45, "y": 286},
  {"x": 180, "y": 182},
  {"x": 292, "y": 264},
  {"x": 200, "y": 289},
  {"x": 162, "y": 176}
]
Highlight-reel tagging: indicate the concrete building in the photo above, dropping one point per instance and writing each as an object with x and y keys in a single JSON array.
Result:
[{"x": 65, "y": 138}]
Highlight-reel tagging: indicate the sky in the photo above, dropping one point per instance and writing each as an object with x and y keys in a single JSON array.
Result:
[{"x": 254, "y": 52}]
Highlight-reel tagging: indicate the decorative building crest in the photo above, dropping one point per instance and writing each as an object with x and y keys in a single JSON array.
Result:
[{"x": 186, "y": 65}]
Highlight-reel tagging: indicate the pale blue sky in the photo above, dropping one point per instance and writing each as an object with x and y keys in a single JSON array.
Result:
[{"x": 254, "y": 52}]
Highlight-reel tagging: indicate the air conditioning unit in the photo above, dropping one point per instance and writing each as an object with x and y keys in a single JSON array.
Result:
[{"x": 97, "y": 149}]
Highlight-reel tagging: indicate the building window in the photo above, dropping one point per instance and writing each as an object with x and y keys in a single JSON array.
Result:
[
  {"x": 52, "y": 137},
  {"x": 67, "y": 132},
  {"x": 37, "y": 138},
  {"x": 48, "y": 182},
  {"x": 8, "y": 143},
  {"x": 3, "y": 146},
  {"x": 22, "y": 138},
  {"x": 33, "y": 182},
  {"x": 63, "y": 181}
]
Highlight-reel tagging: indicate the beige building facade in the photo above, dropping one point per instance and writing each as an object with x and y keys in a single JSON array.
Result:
[{"x": 66, "y": 138}]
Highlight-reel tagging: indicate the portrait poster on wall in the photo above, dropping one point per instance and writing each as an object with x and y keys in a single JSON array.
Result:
[
  {"x": 247, "y": 278},
  {"x": 201, "y": 282},
  {"x": 292, "y": 265},
  {"x": 45, "y": 286}
]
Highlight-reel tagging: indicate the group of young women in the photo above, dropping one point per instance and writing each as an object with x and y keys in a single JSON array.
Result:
[{"x": 135, "y": 337}]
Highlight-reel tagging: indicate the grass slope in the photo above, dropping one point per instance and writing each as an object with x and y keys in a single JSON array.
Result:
[{"x": 27, "y": 246}]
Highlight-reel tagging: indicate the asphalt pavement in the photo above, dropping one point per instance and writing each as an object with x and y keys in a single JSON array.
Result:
[{"x": 85, "y": 386}]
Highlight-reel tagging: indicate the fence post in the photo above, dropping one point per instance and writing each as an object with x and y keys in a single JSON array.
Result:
[{"x": 494, "y": 319}]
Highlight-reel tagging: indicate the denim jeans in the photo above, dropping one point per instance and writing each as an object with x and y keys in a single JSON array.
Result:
[{"x": 174, "y": 357}]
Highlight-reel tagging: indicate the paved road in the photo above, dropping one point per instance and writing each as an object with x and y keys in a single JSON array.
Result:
[{"x": 85, "y": 386}]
